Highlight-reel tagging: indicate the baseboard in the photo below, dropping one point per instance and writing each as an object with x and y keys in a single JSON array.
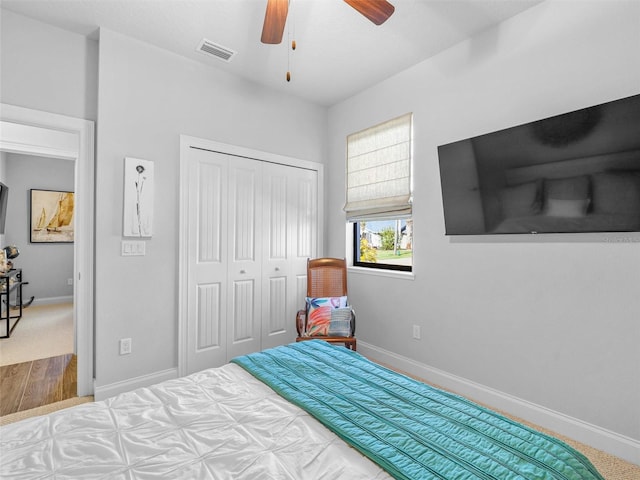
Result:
[
  {"x": 106, "y": 391},
  {"x": 611, "y": 442},
  {"x": 50, "y": 300}
]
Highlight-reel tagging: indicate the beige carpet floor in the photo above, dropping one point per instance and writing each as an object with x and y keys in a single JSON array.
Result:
[
  {"x": 43, "y": 331},
  {"x": 609, "y": 466}
]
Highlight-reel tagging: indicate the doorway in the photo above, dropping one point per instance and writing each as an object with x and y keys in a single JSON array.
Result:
[{"x": 44, "y": 134}]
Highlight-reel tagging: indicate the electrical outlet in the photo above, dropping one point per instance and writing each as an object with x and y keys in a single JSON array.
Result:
[
  {"x": 416, "y": 332},
  {"x": 125, "y": 346},
  {"x": 69, "y": 281}
]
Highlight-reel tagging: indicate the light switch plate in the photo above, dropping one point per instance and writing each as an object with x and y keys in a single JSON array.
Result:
[{"x": 133, "y": 248}]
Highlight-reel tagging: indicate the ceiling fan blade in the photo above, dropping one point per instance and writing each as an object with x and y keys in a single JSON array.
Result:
[
  {"x": 378, "y": 11},
  {"x": 274, "y": 19}
]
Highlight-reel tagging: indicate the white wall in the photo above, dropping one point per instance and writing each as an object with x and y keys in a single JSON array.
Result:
[
  {"x": 52, "y": 70},
  {"x": 552, "y": 320},
  {"x": 47, "y": 68},
  {"x": 147, "y": 98},
  {"x": 46, "y": 266}
]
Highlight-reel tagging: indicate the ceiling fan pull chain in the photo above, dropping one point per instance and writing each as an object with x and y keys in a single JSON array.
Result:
[
  {"x": 293, "y": 22},
  {"x": 291, "y": 42},
  {"x": 288, "y": 64},
  {"x": 293, "y": 47}
]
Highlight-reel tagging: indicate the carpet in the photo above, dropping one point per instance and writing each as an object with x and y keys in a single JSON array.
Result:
[{"x": 43, "y": 331}]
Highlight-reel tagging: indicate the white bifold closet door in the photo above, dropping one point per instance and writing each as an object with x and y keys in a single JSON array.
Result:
[
  {"x": 252, "y": 226},
  {"x": 290, "y": 232}
]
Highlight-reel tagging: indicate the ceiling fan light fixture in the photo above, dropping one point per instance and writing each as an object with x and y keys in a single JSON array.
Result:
[
  {"x": 275, "y": 16},
  {"x": 378, "y": 11},
  {"x": 274, "y": 19}
]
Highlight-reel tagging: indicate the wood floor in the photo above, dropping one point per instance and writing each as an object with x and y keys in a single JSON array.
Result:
[{"x": 37, "y": 383}]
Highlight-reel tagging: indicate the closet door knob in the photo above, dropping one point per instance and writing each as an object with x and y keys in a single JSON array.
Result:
[
  {"x": 243, "y": 272},
  {"x": 277, "y": 269}
]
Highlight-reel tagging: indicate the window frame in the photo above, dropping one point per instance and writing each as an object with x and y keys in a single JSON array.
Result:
[{"x": 379, "y": 266}]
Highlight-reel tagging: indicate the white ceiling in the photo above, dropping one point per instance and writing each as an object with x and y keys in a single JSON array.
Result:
[{"x": 339, "y": 52}]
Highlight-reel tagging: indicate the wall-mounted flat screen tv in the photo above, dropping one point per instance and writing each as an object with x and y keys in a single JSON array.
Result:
[{"x": 575, "y": 172}]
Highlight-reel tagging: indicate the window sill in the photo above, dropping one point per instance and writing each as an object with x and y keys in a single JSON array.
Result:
[{"x": 381, "y": 273}]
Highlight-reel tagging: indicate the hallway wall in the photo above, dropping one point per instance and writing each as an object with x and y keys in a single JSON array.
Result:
[{"x": 46, "y": 266}]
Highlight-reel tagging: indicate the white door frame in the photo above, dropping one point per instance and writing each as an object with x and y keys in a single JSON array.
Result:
[
  {"x": 34, "y": 132},
  {"x": 187, "y": 142}
]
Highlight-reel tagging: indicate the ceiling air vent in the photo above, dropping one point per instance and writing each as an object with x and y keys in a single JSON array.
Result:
[{"x": 209, "y": 48}]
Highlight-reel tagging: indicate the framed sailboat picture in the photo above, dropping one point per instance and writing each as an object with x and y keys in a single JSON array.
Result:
[{"x": 51, "y": 216}]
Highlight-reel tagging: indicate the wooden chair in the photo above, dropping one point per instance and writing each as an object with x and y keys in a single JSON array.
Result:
[{"x": 326, "y": 277}]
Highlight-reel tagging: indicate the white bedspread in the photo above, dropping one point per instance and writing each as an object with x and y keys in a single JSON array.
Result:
[{"x": 216, "y": 424}]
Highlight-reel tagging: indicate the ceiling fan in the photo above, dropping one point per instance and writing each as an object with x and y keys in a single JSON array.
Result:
[{"x": 378, "y": 11}]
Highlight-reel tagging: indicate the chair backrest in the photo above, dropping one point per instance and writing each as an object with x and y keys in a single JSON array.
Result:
[{"x": 326, "y": 277}]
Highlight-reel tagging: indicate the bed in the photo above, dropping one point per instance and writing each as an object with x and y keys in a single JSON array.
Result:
[
  {"x": 307, "y": 410},
  {"x": 595, "y": 194}
]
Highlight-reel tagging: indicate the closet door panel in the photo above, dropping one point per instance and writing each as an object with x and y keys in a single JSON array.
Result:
[
  {"x": 207, "y": 273},
  {"x": 276, "y": 215},
  {"x": 305, "y": 235},
  {"x": 288, "y": 194},
  {"x": 276, "y": 322},
  {"x": 243, "y": 315},
  {"x": 301, "y": 288},
  {"x": 209, "y": 324},
  {"x": 245, "y": 268},
  {"x": 244, "y": 216},
  {"x": 306, "y": 221},
  {"x": 276, "y": 198}
]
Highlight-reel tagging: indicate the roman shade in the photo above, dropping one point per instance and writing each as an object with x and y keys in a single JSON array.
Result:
[{"x": 379, "y": 171}]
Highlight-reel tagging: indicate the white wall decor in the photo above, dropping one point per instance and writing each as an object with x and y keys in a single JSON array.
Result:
[{"x": 138, "y": 197}]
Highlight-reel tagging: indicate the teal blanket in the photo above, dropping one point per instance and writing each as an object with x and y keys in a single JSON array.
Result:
[{"x": 410, "y": 429}]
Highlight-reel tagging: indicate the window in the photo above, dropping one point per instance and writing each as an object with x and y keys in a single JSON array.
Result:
[
  {"x": 383, "y": 244},
  {"x": 379, "y": 194}
]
